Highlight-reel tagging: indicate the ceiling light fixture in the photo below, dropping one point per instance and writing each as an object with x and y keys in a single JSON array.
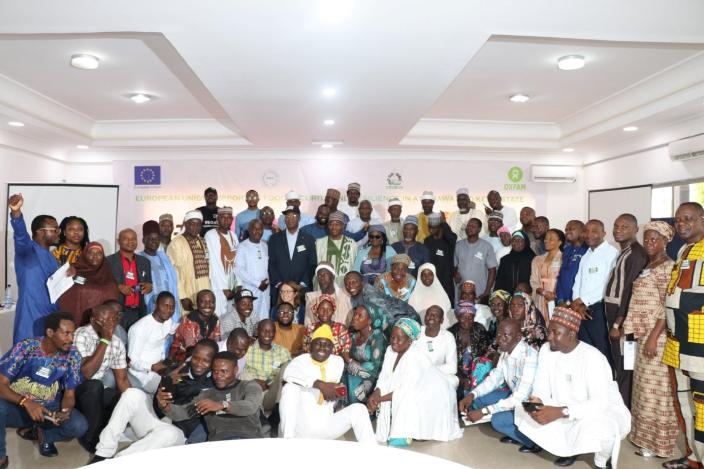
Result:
[
  {"x": 630, "y": 128},
  {"x": 568, "y": 150},
  {"x": 327, "y": 145},
  {"x": 140, "y": 98},
  {"x": 329, "y": 92},
  {"x": 82, "y": 147},
  {"x": 519, "y": 98},
  {"x": 85, "y": 61},
  {"x": 16, "y": 124},
  {"x": 570, "y": 62},
  {"x": 329, "y": 122}
]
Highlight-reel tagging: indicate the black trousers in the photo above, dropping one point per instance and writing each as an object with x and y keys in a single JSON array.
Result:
[
  {"x": 594, "y": 331},
  {"x": 96, "y": 403},
  {"x": 129, "y": 317}
]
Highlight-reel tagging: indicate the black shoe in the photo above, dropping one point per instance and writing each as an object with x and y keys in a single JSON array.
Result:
[
  {"x": 508, "y": 440},
  {"x": 48, "y": 450},
  {"x": 6, "y": 464},
  {"x": 564, "y": 462},
  {"x": 96, "y": 459},
  {"x": 530, "y": 449}
]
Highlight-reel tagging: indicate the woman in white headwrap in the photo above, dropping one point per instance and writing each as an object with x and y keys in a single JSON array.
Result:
[{"x": 429, "y": 292}]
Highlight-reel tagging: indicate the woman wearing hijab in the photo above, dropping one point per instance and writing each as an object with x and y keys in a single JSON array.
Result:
[
  {"x": 471, "y": 347},
  {"x": 375, "y": 258},
  {"x": 412, "y": 397},
  {"x": 533, "y": 327},
  {"x": 368, "y": 344},
  {"x": 498, "y": 304},
  {"x": 93, "y": 283},
  {"x": 515, "y": 267},
  {"x": 398, "y": 282},
  {"x": 654, "y": 427},
  {"x": 429, "y": 292},
  {"x": 324, "y": 308}
]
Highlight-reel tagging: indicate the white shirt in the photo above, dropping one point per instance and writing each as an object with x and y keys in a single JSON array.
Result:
[
  {"x": 353, "y": 212},
  {"x": 356, "y": 224},
  {"x": 495, "y": 242},
  {"x": 510, "y": 218},
  {"x": 458, "y": 222},
  {"x": 291, "y": 241},
  {"x": 146, "y": 340},
  {"x": 441, "y": 350},
  {"x": 251, "y": 267},
  {"x": 593, "y": 274}
]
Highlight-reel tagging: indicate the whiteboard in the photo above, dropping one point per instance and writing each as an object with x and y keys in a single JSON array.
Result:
[
  {"x": 606, "y": 205},
  {"x": 97, "y": 205}
]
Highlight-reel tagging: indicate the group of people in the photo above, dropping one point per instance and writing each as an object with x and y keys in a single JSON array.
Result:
[{"x": 244, "y": 326}]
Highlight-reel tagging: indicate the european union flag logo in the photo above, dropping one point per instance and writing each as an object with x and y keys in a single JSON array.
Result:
[{"x": 147, "y": 175}]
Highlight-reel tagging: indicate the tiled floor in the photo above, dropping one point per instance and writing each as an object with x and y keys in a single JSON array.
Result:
[{"x": 478, "y": 448}]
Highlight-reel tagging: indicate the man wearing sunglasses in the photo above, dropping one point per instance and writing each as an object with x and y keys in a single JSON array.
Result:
[{"x": 34, "y": 264}]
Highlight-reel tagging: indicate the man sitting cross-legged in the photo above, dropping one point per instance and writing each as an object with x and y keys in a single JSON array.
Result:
[
  {"x": 264, "y": 363},
  {"x": 231, "y": 409},
  {"x": 308, "y": 399},
  {"x": 491, "y": 400}
]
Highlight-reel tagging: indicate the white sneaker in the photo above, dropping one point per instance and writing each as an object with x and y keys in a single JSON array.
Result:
[{"x": 467, "y": 422}]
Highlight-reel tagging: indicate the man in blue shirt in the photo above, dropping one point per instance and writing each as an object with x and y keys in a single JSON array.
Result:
[
  {"x": 38, "y": 378},
  {"x": 34, "y": 264},
  {"x": 571, "y": 256},
  {"x": 416, "y": 251},
  {"x": 319, "y": 229}
]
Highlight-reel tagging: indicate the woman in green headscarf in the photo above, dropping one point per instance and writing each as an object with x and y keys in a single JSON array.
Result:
[
  {"x": 367, "y": 352},
  {"x": 412, "y": 397}
]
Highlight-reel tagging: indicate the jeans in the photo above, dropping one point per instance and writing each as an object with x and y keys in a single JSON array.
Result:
[
  {"x": 502, "y": 422},
  {"x": 12, "y": 415},
  {"x": 198, "y": 435}
]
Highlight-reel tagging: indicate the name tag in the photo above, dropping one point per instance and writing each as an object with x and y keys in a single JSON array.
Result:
[
  {"x": 430, "y": 346},
  {"x": 206, "y": 256},
  {"x": 275, "y": 365},
  {"x": 593, "y": 270},
  {"x": 79, "y": 280},
  {"x": 479, "y": 255},
  {"x": 129, "y": 275},
  {"x": 367, "y": 261},
  {"x": 403, "y": 291},
  {"x": 412, "y": 265},
  {"x": 300, "y": 248},
  {"x": 685, "y": 264},
  {"x": 439, "y": 253},
  {"x": 645, "y": 273},
  {"x": 44, "y": 372}
]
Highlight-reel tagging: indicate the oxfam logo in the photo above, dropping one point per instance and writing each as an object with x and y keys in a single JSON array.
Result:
[{"x": 515, "y": 174}]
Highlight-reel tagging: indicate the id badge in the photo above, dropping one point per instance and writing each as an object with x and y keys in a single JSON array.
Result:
[
  {"x": 300, "y": 248},
  {"x": 79, "y": 280},
  {"x": 129, "y": 275},
  {"x": 439, "y": 253},
  {"x": 430, "y": 346},
  {"x": 44, "y": 372}
]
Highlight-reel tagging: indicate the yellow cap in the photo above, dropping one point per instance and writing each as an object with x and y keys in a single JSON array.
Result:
[{"x": 322, "y": 332}]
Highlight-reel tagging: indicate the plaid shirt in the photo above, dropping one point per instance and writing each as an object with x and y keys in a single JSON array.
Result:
[
  {"x": 86, "y": 341},
  {"x": 265, "y": 364},
  {"x": 517, "y": 369},
  {"x": 231, "y": 321}
]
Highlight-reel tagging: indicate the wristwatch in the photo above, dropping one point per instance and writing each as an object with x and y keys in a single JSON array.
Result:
[
  {"x": 565, "y": 412},
  {"x": 225, "y": 405},
  {"x": 615, "y": 326},
  {"x": 485, "y": 411}
]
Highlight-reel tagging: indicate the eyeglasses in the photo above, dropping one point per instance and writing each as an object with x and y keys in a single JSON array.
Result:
[
  {"x": 287, "y": 291},
  {"x": 375, "y": 237}
]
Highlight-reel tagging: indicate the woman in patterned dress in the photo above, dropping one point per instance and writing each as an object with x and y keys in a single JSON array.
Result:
[
  {"x": 654, "y": 426},
  {"x": 368, "y": 344}
]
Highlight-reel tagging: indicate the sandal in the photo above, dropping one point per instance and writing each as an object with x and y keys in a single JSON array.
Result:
[
  {"x": 646, "y": 453},
  {"x": 682, "y": 463},
  {"x": 28, "y": 433}
]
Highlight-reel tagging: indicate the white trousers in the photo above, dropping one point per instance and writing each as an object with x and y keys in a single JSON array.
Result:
[
  {"x": 135, "y": 409},
  {"x": 299, "y": 419}
]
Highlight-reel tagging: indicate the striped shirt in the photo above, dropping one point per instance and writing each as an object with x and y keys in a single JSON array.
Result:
[
  {"x": 517, "y": 369},
  {"x": 629, "y": 264}
]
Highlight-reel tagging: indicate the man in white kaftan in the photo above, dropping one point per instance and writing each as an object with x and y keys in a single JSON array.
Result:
[
  {"x": 222, "y": 249},
  {"x": 251, "y": 269}
]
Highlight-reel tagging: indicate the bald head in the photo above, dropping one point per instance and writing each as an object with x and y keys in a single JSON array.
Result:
[{"x": 510, "y": 326}]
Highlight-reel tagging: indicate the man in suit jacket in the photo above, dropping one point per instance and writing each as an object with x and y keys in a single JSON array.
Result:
[
  {"x": 134, "y": 277},
  {"x": 291, "y": 255}
]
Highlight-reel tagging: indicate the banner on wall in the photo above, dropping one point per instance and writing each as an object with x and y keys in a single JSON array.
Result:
[{"x": 180, "y": 184}]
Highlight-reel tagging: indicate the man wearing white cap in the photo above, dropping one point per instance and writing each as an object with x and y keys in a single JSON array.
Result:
[
  {"x": 458, "y": 220},
  {"x": 222, "y": 246},
  {"x": 394, "y": 227},
  {"x": 189, "y": 255},
  {"x": 350, "y": 207},
  {"x": 427, "y": 201},
  {"x": 325, "y": 278},
  {"x": 293, "y": 199}
]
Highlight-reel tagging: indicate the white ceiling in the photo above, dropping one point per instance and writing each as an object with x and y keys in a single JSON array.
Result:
[{"x": 410, "y": 73}]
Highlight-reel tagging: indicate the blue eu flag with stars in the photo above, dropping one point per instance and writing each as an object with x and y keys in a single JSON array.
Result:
[{"x": 147, "y": 175}]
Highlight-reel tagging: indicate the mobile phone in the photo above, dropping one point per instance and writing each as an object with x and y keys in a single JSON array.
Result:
[
  {"x": 192, "y": 411},
  {"x": 168, "y": 385},
  {"x": 341, "y": 390},
  {"x": 531, "y": 406}
]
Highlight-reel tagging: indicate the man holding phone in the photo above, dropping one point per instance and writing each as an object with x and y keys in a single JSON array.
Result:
[
  {"x": 313, "y": 387},
  {"x": 489, "y": 400},
  {"x": 38, "y": 379}
]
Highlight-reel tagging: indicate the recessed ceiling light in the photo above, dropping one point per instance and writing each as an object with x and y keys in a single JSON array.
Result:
[
  {"x": 85, "y": 61},
  {"x": 519, "y": 98},
  {"x": 334, "y": 11},
  {"x": 329, "y": 122},
  {"x": 329, "y": 92},
  {"x": 327, "y": 145},
  {"x": 82, "y": 147},
  {"x": 570, "y": 62},
  {"x": 568, "y": 150},
  {"x": 140, "y": 98},
  {"x": 16, "y": 124},
  {"x": 630, "y": 128}
]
